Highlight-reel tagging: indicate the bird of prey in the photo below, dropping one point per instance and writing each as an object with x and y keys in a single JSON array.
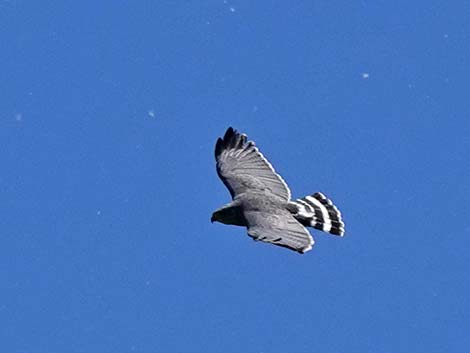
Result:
[{"x": 261, "y": 199}]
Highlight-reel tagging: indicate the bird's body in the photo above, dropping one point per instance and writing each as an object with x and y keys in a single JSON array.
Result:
[
  {"x": 261, "y": 198},
  {"x": 249, "y": 202}
]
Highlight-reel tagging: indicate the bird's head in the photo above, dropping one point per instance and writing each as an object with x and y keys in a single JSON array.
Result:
[
  {"x": 229, "y": 214},
  {"x": 215, "y": 217}
]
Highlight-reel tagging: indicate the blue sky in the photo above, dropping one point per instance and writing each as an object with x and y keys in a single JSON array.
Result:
[{"x": 109, "y": 115}]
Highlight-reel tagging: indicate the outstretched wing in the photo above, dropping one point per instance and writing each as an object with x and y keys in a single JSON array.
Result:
[
  {"x": 281, "y": 230},
  {"x": 242, "y": 167}
]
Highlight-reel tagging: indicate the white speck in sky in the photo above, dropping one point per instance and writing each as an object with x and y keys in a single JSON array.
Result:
[
  {"x": 232, "y": 9},
  {"x": 19, "y": 117},
  {"x": 446, "y": 36},
  {"x": 151, "y": 113},
  {"x": 98, "y": 213},
  {"x": 365, "y": 75}
]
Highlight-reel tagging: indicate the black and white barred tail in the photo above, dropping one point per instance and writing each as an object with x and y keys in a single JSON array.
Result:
[{"x": 318, "y": 211}]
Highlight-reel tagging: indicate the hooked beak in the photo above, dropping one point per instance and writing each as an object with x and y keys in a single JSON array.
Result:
[{"x": 213, "y": 218}]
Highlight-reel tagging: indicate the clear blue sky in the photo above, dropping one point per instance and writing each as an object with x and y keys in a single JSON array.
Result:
[{"x": 109, "y": 115}]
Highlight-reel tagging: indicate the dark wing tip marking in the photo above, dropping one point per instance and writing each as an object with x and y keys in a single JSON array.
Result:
[
  {"x": 229, "y": 134},
  {"x": 219, "y": 147},
  {"x": 231, "y": 139}
]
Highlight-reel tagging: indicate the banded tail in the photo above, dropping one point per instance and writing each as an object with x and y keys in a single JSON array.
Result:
[{"x": 318, "y": 211}]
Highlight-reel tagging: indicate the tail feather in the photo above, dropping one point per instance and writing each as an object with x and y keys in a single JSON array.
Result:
[{"x": 319, "y": 212}]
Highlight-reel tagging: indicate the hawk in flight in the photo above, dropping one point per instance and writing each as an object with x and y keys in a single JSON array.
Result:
[{"x": 261, "y": 199}]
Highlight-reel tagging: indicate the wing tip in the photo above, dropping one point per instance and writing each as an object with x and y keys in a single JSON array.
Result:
[
  {"x": 219, "y": 147},
  {"x": 306, "y": 249},
  {"x": 227, "y": 141},
  {"x": 232, "y": 139},
  {"x": 229, "y": 133}
]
